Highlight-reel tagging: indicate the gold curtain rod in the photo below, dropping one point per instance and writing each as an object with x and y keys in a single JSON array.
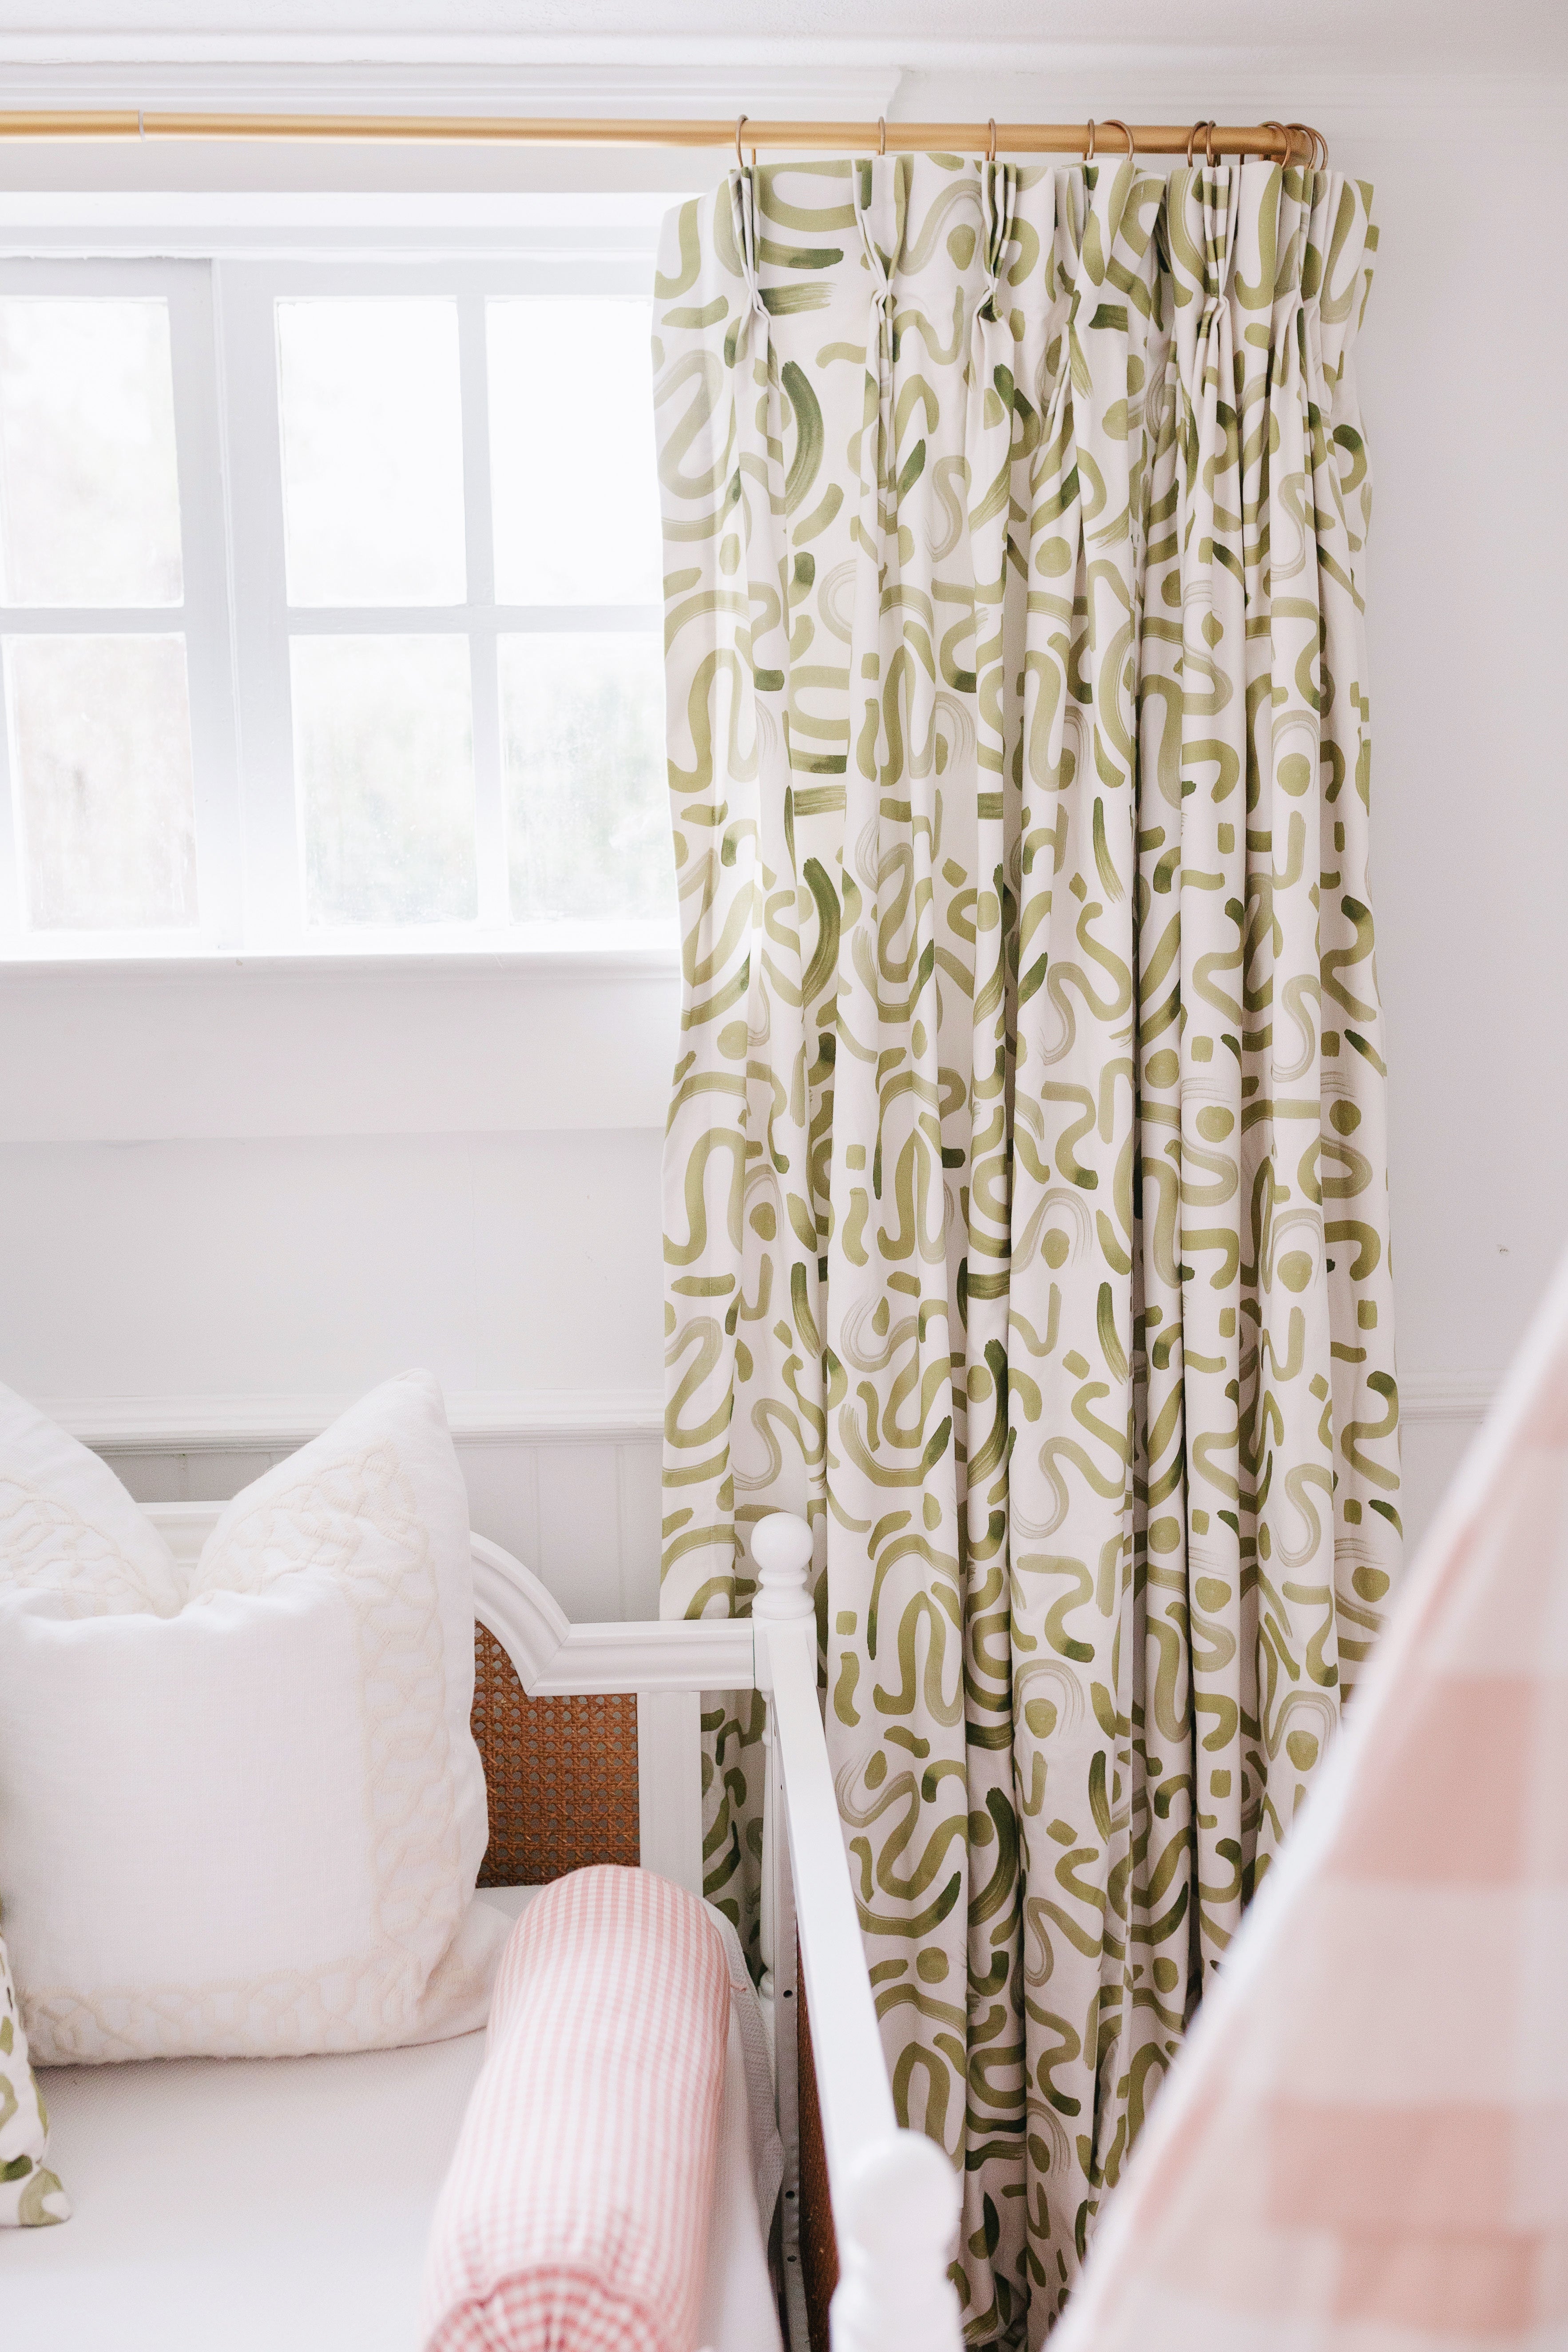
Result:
[{"x": 553, "y": 131}]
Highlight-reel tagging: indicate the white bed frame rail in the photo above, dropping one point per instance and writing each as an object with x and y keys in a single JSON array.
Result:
[{"x": 895, "y": 2200}]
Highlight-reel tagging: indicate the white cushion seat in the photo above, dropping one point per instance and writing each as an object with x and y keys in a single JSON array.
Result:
[{"x": 283, "y": 2204}]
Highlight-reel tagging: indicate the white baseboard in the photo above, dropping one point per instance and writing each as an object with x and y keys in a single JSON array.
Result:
[{"x": 506, "y": 1416}]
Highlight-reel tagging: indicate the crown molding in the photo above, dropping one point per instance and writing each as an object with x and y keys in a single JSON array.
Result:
[
  {"x": 835, "y": 70},
  {"x": 364, "y": 74},
  {"x": 842, "y": 77}
]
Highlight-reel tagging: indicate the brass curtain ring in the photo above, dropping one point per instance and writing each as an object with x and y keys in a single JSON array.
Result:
[
  {"x": 991, "y": 142},
  {"x": 1193, "y": 139},
  {"x": 882, "y": 134},
  {"x": 1114, "y": 123},
  {"x": 1316, "y": 160},
  {"x": 1209, "y": 130},
  {"x": 1287, "y": 139},
  {"x": 741, "y": 122},
  {"x": 1089, "y": 151}
]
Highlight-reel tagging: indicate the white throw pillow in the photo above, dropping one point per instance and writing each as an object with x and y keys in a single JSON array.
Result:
[
  {"x": 67, "y": 1526},
  {"x": 241, "y": 1810}
]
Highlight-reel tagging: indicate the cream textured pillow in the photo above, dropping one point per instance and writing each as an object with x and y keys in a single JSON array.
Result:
[
  {"x": 241, "y": 1809},
  {"x": 67, "y": 1526},
  {"x": 30, "y": 2191}
]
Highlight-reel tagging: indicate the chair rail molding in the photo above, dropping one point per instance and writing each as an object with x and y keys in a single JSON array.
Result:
[
  {"x": 194, "y": 1424},
  {"x": 1446, "y": 1396}
]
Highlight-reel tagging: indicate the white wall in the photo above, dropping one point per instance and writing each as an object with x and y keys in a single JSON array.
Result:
[
  {"x": 247, "y": 1188},
  {"x": 260, "y": 1186},
  {"x": 1462, "y": 381}
]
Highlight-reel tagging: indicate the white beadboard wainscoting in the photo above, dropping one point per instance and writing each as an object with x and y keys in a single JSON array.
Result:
[{"x": 568, "y": 1482}]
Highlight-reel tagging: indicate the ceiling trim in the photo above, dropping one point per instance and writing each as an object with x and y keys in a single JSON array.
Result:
[
  {"x": 368, "y": 75},
  {"x": 818, "y": 60},
  {"x": 846, "y": 78}
]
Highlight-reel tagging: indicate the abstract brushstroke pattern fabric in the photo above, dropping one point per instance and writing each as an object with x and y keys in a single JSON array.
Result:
[
  {"x": 1363, "y": 2145},
  {"x": 1025, "y": 1182},
  {"x": 30, "y": 2194}
]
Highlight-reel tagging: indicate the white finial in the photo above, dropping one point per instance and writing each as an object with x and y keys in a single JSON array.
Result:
[
  {"x": 781, "y": 1546},
  {"x": 896, "y": 2224}
]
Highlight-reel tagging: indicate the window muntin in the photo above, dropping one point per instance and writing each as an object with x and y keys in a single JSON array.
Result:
[
  {"x": 424, "y": 700},
  {"x": 116, "y": 768}
]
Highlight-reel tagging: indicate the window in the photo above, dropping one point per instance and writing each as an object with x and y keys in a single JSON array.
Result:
[{"x": 330, "y": 606}]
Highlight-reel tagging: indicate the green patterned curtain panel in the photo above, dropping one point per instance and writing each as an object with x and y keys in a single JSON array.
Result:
[{"x": 1026, "y": 1207}]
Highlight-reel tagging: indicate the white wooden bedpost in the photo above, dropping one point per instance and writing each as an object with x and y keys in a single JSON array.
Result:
[
  {"x": 897, "y": 2219},
  {"x": 895, "y": 2196}
]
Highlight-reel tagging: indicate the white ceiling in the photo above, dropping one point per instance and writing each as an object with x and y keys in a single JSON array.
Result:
[{"x": 1505, "y": 35}]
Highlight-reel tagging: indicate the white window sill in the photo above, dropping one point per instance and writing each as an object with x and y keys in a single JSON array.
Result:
[{"x": 583, "y": 952}]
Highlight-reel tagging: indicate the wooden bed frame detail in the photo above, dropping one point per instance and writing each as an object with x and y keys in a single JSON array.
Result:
[
  {"x": 892, "y": 2202},
  {"x": 818, "y": 2245}
]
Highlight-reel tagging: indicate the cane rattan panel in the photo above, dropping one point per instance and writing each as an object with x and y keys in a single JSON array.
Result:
[{"x": 561, "y": 1774}]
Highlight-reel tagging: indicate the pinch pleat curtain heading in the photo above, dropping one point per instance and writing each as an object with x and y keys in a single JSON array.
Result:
[{"x": 1026, "y": 1204}]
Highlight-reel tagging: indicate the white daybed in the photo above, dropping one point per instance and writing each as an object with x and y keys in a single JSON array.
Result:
[{"x": 282, "y": 2205}]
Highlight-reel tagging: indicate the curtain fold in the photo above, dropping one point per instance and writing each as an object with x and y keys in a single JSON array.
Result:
[{"x": 1024, "y": 1183}]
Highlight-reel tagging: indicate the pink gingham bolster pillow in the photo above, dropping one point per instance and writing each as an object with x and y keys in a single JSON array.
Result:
[{"x": 575, "y": 2212}]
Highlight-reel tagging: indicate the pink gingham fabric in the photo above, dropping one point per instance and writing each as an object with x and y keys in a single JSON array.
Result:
[
  {"x": 1364, "y": 2144},
  {"x": 575, "y": 2212}
]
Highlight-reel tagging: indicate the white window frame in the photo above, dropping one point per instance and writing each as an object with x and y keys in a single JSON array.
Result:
[
  {"x": 203, "y": 617},
  {"x": 237, "y": 621}
]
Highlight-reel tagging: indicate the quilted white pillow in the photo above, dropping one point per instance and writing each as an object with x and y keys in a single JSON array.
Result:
[{"x": 241, "y": 1809}]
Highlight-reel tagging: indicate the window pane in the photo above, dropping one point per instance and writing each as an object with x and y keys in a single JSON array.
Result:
[
  {"x": 373, "y": 451},
  {"x": 101, "y": 765},
  {"x": 587, "y": 807},
  {"x": 571, "y": 459},
  {"x": 384, "y": 763},
  {"x": 87, "y": 454}
]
